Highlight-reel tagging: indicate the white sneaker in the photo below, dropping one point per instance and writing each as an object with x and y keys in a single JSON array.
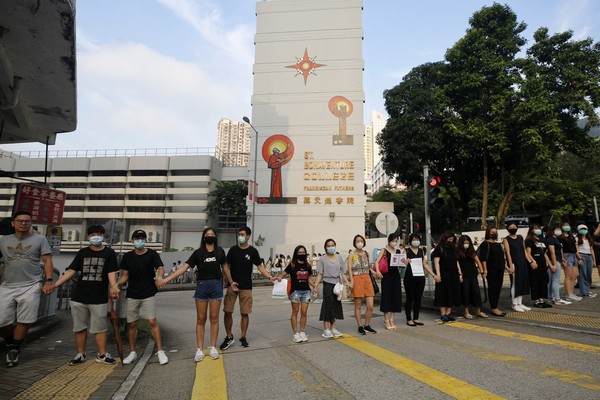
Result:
[
  {"x": 525, "y": 307},
  {"x": 162, "y": 357},
  {"x": 517, "y": 308},
  {"x": 591, "y": 295},
  {"x": 336, "y": 333},
  {"x": 214, "y": 353},
  {"x": 303, "y": 337},
  {"x": 199, "y": 355},
  {"x": 296, "y": 338},
  {"x": 130, "y": 358},
  {"x": 327, "y": 334},
  {"x": 574, "y": 297},
  {"x": 564, "y": 302}
]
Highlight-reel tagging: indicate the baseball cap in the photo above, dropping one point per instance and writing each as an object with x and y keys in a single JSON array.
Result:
[
  {"x": 139, "y": 234},
  {"x": 581, "y": 226}
]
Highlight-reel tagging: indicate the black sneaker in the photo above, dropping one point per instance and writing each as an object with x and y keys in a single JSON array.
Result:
[
  {"x": 105, "y": 359},
  {"x": 12, "y": 357},
  {"x": 78, "y": 359},
  {"x": 226, "y": 343},
  {"x": 243, "y": 341},
  {"x": 361, "y": 330},
  {"x": 369, "y": 329}
]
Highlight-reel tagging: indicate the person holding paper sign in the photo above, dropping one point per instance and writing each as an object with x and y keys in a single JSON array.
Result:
[
  {"x": 470, "y": 265},
  {"x": 414, "y": 279},
  {"x": 391, "y": 283}
]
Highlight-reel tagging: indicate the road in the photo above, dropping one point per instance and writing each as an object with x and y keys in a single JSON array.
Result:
[{"x": 475, "y": 359}]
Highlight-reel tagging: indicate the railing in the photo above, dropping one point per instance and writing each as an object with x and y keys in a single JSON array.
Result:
[{"x": 191, "y": 151}]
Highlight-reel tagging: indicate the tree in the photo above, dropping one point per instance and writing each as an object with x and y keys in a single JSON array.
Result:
[
  {"x": 484, "y": 117},
  {"x": 228, "y": 198}
]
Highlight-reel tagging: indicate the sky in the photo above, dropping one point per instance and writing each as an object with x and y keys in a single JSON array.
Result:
[{"x": 162, "y": 73}]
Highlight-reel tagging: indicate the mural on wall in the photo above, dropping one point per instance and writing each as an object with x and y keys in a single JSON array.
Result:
[
  {"x": 341, "y": 107},
  {"x": 305, "y": 66},
  {"x": 277, "y": 151}
]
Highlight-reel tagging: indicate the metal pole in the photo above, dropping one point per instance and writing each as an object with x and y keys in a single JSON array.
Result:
[
  {"x": 246, "y": 120},
  {"x": 426, "y": 210},
  {"x": 412, "y": 229},
  {"x": 596, "y": 210}
]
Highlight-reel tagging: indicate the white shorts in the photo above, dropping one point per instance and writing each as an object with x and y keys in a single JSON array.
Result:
[
  {"x": 89, "y": 316},
  {"x": 22, "y": 302},
  {"x": 145, "y": 308}
]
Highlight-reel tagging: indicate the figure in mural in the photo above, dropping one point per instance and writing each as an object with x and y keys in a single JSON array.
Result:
[
  {"x": 341, "y": 107},
  {"x": 276, "y": 160},
  {"x": 277, "y": 151}
]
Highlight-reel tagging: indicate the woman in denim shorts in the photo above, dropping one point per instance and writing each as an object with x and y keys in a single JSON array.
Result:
[
  {"x": 300, "y": 272},
  {"x": 571, "y": 260},
  {"x": 208, "y": 260}
]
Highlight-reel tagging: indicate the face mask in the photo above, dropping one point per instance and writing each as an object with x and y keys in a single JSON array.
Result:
[
  {"x": 537, "y": 232},
  {"x": 302, "y": 257},
  {"x": 494, "y": 236},
  {"x": 583, "y": 232},
  {"x": 241, "y": 239},
  {"x": 139, "y": 243},
  {"x": 360, "y": 245},
  {"x": 393, "y": 244},
  {"x": 512, "y": 231},
  {"x": 331, "y": 250},
  {"x": 557, "y": 232},
  {"x": 566, "y": 228},
  {"x": 449, "y": 243},
  {"x": 210, "y": 239},
  {"x": 466, "y": 245},
  {"x": 415, "y": 243},
  {"x": 96, "y": 240}
]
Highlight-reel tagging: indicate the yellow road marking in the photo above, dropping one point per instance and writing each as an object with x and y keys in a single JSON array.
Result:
[
  {"x": 444, "y": 383},
  {"x": 528, "y": 338},
  {"x": 74, "y": 382},
  {"x": 210, "y": 382}
]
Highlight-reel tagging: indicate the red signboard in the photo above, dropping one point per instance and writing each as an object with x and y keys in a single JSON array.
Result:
[{"x": 45, "y": 205}]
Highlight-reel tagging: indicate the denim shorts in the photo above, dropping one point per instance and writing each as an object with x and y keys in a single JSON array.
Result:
[
  {"x": 300, "y": 296},
  {"x": 209, "y": 289},
  {"x": 571, "y": 259}
]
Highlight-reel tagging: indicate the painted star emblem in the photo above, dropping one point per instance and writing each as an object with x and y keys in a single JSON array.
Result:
[{"x": 305, "y": 65}]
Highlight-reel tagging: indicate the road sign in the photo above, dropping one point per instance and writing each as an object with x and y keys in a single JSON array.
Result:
[
  {"x": 386, "y": 222},
  {"x": 45, "y": 205}
]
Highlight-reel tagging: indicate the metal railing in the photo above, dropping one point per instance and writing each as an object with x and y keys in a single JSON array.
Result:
[{"x": 190, "y": 151}]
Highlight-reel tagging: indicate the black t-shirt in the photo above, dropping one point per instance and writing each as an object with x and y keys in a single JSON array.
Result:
[
  {"x": 94, "y": 266},
  {"x": 240, "y": 263},
  {"x": 568, "y": 244},
  {"x": 552, "y": 241},
  {"x": 209, "y": 263},
  {"x": 300, "y": 273},
  {"x": 537, "y": 251},
  {"x": 448, "y": 258},
  {"x": 142, "y": 270},
  {"x": 492, "y": 254}
]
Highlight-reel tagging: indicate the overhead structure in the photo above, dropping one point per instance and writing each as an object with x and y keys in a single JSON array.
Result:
[{"x": 37, "y": 70}]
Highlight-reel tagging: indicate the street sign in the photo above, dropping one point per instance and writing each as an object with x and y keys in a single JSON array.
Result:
[
  {"x": 45, "y": 205},
  {"x": 54, "y": 237},
  {"x": 386, "y": 222}
]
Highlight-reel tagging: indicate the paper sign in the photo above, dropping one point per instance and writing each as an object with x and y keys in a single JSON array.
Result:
[
  {"x": 397, "y": 260},
  {"x": 416, "y": 265}
]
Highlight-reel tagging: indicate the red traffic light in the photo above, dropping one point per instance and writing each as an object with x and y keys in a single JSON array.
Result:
[{"x": 434, "y": 181}]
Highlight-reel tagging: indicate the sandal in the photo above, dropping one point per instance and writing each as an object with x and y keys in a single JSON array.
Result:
[
  {"x": 411, "y": 323},
  {"x": 468, "y": 316},
  {"x": 387, "y": 324},
  {"x": 392, "y": 326},
  {"x": 482, "y": 315},
  {"x": 502, "y": 314},
  {"x": 418, "y": 323}
]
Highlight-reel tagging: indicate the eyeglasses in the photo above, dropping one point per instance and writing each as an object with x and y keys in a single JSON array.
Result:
[{"x": 22, "y": 221}]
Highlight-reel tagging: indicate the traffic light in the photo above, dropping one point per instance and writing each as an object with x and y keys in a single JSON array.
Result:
[
  {"x": 435, "y": 202},
  {"x": 589, "y": 210}
]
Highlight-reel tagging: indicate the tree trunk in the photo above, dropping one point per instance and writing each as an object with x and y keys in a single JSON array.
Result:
[
  {"x": 484, "y": 202},
  {"x": 505, "y": 204}
]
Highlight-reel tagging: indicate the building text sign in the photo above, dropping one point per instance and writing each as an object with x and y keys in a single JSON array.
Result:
[{"x": 45, "y": 205}]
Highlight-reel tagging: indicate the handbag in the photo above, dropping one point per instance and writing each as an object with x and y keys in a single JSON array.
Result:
[
  {"x": 383, "y": 264},
  {"x": 374, "y": 282}
]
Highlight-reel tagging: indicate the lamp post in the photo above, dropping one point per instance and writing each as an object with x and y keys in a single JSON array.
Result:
[{"x": 247, "y": 120}]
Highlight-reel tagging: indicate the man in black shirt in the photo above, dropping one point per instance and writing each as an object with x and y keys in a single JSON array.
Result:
[
  {"x": 97, "y": 266},
  {"x": 238, "y": 270},
  {"x": 141, "y": 267}
]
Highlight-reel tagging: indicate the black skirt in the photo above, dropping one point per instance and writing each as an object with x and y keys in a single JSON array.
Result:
[
  {"x": 331, "y": 308},
  {"x": 391, "y": 291}
]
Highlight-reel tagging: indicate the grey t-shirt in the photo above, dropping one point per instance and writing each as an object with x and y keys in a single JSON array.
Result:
[
  {"x": 22, "y": 259},
  {"x": 332, "y": 271}
]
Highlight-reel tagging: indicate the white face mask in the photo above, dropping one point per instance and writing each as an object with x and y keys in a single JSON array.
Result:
[
  {"x": 360, "y": 245},
  {"x": 96, "y": 240},
  {"x": 466, "y": 245},
  {"x": 393, "y": 244},
  {"x": 557, "y": 232}
]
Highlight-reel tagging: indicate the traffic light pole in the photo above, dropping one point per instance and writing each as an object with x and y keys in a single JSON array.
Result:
[{"x": 426, "y": 209}]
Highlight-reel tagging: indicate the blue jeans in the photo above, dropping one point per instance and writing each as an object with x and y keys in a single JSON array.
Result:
[
  {"x": 585, "y": 274},
  {"x": 554, "y": 282}
]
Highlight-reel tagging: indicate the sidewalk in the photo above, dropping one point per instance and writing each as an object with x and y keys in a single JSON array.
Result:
[{"x": 43, "y": 370}]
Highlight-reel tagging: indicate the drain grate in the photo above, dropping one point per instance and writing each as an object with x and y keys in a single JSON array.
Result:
[{"x": 563, "y": 319}]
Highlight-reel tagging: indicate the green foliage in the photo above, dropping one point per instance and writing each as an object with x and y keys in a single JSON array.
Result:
[
  {"x": 228, "y": 198},
  {"x": 483, "y": 105},
  {"x": 188, "y": 248}
]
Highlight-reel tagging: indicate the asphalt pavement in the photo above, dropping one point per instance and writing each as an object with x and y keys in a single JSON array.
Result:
[{"x": 43, "y": 370}]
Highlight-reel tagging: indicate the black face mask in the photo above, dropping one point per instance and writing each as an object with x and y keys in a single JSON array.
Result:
[
  {"x": 494, "y": 236},
  {"x": 210, "y": 239},
  {"x": 302, "y": 257},
  {"x": 512, "y": 231}
]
